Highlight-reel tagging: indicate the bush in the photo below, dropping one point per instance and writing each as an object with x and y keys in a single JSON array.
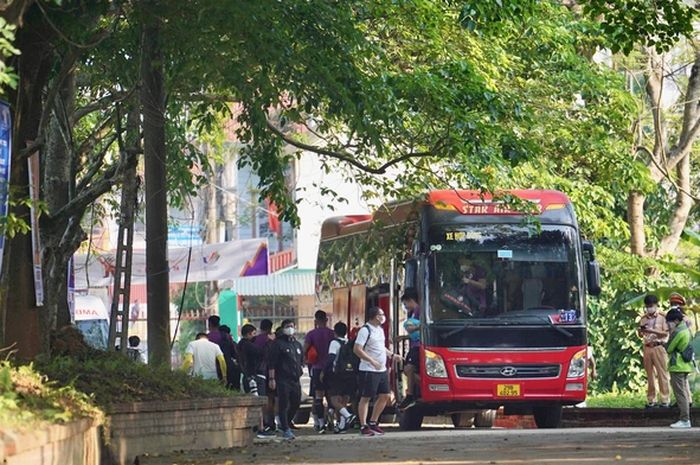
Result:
[
  {"x": 617, "y": 400},
  {"x": 111, "y": 378},
  {"x": 28, "y": 400}
]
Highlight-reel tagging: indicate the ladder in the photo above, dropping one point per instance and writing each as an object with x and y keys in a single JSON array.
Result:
[{"x": 119, "y": 315}]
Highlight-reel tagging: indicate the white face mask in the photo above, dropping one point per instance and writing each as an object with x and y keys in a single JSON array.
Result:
[
  {"x": 672, "y": 325},
  {"x": 288, "y": 331},
  {"x": 464, "y": 267},
  {"x": 651, "y": 310},
  {"x": 382, "y": 319}
]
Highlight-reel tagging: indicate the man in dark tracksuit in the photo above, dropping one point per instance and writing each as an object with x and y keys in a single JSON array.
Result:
[{"x": 285, "y": 361}]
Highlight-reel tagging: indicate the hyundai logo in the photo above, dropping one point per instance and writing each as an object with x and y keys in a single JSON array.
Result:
[{"x": 509, "y": 371}]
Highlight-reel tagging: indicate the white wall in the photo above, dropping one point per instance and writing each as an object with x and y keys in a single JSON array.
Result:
[{"x": 314, "y": 209}]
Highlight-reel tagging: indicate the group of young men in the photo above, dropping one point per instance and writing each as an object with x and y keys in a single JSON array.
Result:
[
  {"x": 354, "y": 370},
  {"x": 667, "y": 354},
  {"x": 347, "y": 370}
]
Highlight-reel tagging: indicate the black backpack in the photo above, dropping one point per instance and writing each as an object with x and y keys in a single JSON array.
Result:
[
  {"x": 346, "y": 362},
  {"x": 688, "y": 354}
]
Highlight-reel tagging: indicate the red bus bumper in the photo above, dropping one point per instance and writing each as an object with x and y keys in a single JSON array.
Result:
[{"x": 523, "y": 376}]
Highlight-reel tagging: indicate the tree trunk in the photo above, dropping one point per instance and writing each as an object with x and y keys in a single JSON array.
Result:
[
  {"x": 665, "y": 158},
  {"x": 60, "y": 236},
  {"x": 18, "y": 309},
  {"x": 157, "y": 271},
  {"x": 683, "y": 205},
  {"x": 60, "y": 240},
  {"x": 635, "y": 219}
]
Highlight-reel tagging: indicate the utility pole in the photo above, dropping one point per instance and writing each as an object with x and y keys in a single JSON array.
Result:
[
  {"x": 212, "y": 234},
  {"x": 229, "y": 183},
  {"x": 153, "y": 109}
]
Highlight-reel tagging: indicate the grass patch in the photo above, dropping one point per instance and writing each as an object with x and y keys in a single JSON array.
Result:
[
  {"x": 110, "y": 378},
  {"x": 626, "y": 399},
  {"x": 28, "y": 400},
  {"x": 617, "y": 400}
]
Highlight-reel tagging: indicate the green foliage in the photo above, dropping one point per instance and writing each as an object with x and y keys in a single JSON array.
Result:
[
  {"x": 8, "y": 78},
  {"x": 625, "y": 399},
  {"x": 630, "y": 22},
  {"x": 363, "y": 258},
  {"x": 13, "y": 224},
  {"x": 614, "y": 315},
  {"x": 28, "y": 399},
  {"x": 111, "y": 378}
]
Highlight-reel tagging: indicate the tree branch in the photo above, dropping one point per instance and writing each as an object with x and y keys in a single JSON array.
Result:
[
  {"x": 691, "y": 118},
  {"x": 346, "y": 156},
  {"x": 667, "y": 175},
  {"x": 654, "y": 89},
  {"x": 91, "y": 192},
  {"x": 101, "y": 104},
  {"x": 97, "y": 163},
  {"x": 97, "y": 135},
  {"x": 67, "y": 65}
]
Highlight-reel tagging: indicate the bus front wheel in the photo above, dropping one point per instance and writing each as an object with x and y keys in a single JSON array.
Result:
[
  {"x": 462, "y": 420},
  {"x": 485, "y": 419},
  {"x": 548, "y": 416},
  {"x": 411, "y": 419}
]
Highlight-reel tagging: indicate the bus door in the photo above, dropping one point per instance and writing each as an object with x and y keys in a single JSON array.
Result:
[
  {"x": 341, "y": 305},
  {"x": 357, "y": 309},
  {"x": 378, "y": 296}
]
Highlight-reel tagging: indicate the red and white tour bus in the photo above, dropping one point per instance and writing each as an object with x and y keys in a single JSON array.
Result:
[{"x": 517, "y": 340}]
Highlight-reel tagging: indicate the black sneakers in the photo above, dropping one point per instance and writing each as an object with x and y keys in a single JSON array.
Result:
[
  {"x": 408, "y": 402},
  {"x": 268, "y": 432}
]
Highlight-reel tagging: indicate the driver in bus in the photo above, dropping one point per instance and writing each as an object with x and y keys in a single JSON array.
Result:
[{"x": 473, "y": 282}]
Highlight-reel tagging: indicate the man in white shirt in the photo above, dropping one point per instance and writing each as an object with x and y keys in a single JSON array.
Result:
[
  {"x": 370, "y": 347},
  {"x": 202, "y": 357}
]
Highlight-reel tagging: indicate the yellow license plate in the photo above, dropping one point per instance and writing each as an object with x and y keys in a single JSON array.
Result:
[{"x": 508, "y": 390}]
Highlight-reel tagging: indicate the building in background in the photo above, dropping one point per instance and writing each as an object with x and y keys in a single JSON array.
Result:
[{"x": 228, "y": 210}]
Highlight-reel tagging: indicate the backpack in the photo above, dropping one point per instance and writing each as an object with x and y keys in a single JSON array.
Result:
[
  {"x": 346, "y": 362},
  {"x": 688, "y": 354}
]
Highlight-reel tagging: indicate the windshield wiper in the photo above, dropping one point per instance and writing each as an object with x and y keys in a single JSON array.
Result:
[
  {"x": 539, "y": 318},
  {"x": 505, "y": 321}
]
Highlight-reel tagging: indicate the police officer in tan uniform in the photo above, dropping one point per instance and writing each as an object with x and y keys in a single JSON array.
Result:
[{"x": 653, "y": 330}]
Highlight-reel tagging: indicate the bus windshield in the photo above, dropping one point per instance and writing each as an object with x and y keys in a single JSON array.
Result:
[{"x": 494, "y": 274}]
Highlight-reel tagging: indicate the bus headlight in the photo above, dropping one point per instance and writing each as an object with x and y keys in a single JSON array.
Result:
[
  {"x": 577, "y": 366},
  {"x": 434, "y": 365}
]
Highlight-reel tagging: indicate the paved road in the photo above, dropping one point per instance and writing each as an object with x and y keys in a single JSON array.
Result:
[{"x": 447, "y": 446}]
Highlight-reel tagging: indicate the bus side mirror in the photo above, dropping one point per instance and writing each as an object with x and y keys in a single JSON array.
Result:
[{"x": 592, "y": 269}]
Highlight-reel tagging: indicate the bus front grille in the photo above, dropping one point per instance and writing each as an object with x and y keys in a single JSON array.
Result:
[{"x": 513, "y": 371}]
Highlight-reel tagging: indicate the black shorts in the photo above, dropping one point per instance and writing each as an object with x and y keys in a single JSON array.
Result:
[
  {"x": 372, "y": 383},
  {"x": 316, "y": 383},
  {"x": 413, "y": 356},
  {"x": 342, "y": 385}
]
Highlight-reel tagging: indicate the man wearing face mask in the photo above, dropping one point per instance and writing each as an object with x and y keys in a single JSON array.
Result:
[
  {"x": 285, "y": 362},
  {"x": 678, "y": 366},
  {"x": 371, "y": 349},
  {"x": 653, "y": 330}
]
